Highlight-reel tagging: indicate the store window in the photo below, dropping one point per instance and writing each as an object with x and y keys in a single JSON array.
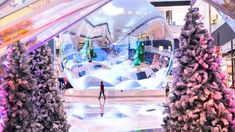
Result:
[{"x": 215, "y": 16}]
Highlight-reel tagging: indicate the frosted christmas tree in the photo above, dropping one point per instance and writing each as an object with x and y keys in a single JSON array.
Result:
[
  {"x": 47, "y": 102},
  {"x": 201, "y": 101},
  {"x": 3, "y": 104},
  {"x": 139, "y": 53},
  {"x": 19, "y": 86},
  {"x": 3, "y": 101},
  {"x": 88, "y": 50}
]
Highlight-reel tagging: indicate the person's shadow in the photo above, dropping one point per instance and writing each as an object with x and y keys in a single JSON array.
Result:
[{"x": 102, "y": 103}]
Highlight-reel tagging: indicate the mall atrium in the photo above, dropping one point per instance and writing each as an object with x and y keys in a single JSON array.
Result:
[{"x": 117, "y": 65}]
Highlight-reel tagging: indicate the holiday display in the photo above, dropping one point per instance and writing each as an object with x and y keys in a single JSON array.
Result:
[
  {"x": 19, "y": 86},
  {"x": 139, "y": 53},
  {"x": 114, "y": 64},
  {"x": 201, "y": 101},
  {"x": 88, "y": 50},
  {"x": 48, "y": 106}
]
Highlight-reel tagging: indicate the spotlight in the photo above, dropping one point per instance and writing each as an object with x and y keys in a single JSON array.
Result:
[
  {"x": 129, "y": 12},
  {"x": 112, "y": 10}
]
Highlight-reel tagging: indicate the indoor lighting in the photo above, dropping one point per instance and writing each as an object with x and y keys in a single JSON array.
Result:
[
  {"x": 111, "y": 10},
  {"x": 137, "y": 13},
  {"x": 160, "y": 48},
  {"x": 129, "y": 12},
  {"x": 169, "y": 48}
]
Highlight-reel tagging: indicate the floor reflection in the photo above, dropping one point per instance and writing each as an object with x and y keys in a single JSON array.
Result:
[
  {"x": 128, "y": 114},
  {"x": 102, "y": 107}
]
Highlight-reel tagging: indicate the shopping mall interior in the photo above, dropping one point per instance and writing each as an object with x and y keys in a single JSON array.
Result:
[{"x": 117, "y": 65}]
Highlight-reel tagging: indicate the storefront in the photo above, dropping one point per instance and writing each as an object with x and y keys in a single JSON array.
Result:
[{"x": 227, "y": 61}]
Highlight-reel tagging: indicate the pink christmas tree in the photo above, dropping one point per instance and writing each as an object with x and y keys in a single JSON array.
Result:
[
  {"x": 19, "y": 86},
  {"x": 3, "y": 104},
  {"x": 201, "y": 101},
  {"x": 48, "y": 105}
]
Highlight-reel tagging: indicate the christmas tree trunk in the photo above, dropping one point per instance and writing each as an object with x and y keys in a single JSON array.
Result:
[
  {"x": 201, "y": 101},
  {"x": 19, "y": 86},
  {"x": 48, "y": 104}
]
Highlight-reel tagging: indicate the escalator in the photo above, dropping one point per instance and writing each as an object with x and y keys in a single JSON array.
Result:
[
  {"x": 42, "y": 25},
  {"x": 11, "y": 11}
]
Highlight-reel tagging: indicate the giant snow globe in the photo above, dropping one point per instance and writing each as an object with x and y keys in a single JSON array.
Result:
[{"x": 126, "y": 44}]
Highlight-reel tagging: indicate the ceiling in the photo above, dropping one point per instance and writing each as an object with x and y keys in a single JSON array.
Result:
[{"x": 117, "y": 19}]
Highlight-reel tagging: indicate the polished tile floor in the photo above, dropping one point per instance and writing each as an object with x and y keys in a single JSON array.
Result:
[{"x": 114, "y": 114}]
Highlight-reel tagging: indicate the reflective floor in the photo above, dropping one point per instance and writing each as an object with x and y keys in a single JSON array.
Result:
[{"x": 115, "y": 114}]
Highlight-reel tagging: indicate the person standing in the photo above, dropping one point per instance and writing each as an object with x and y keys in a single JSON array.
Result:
[
  {"x": 167, "y": 90},
  {"x": 102, "y": 90}
]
